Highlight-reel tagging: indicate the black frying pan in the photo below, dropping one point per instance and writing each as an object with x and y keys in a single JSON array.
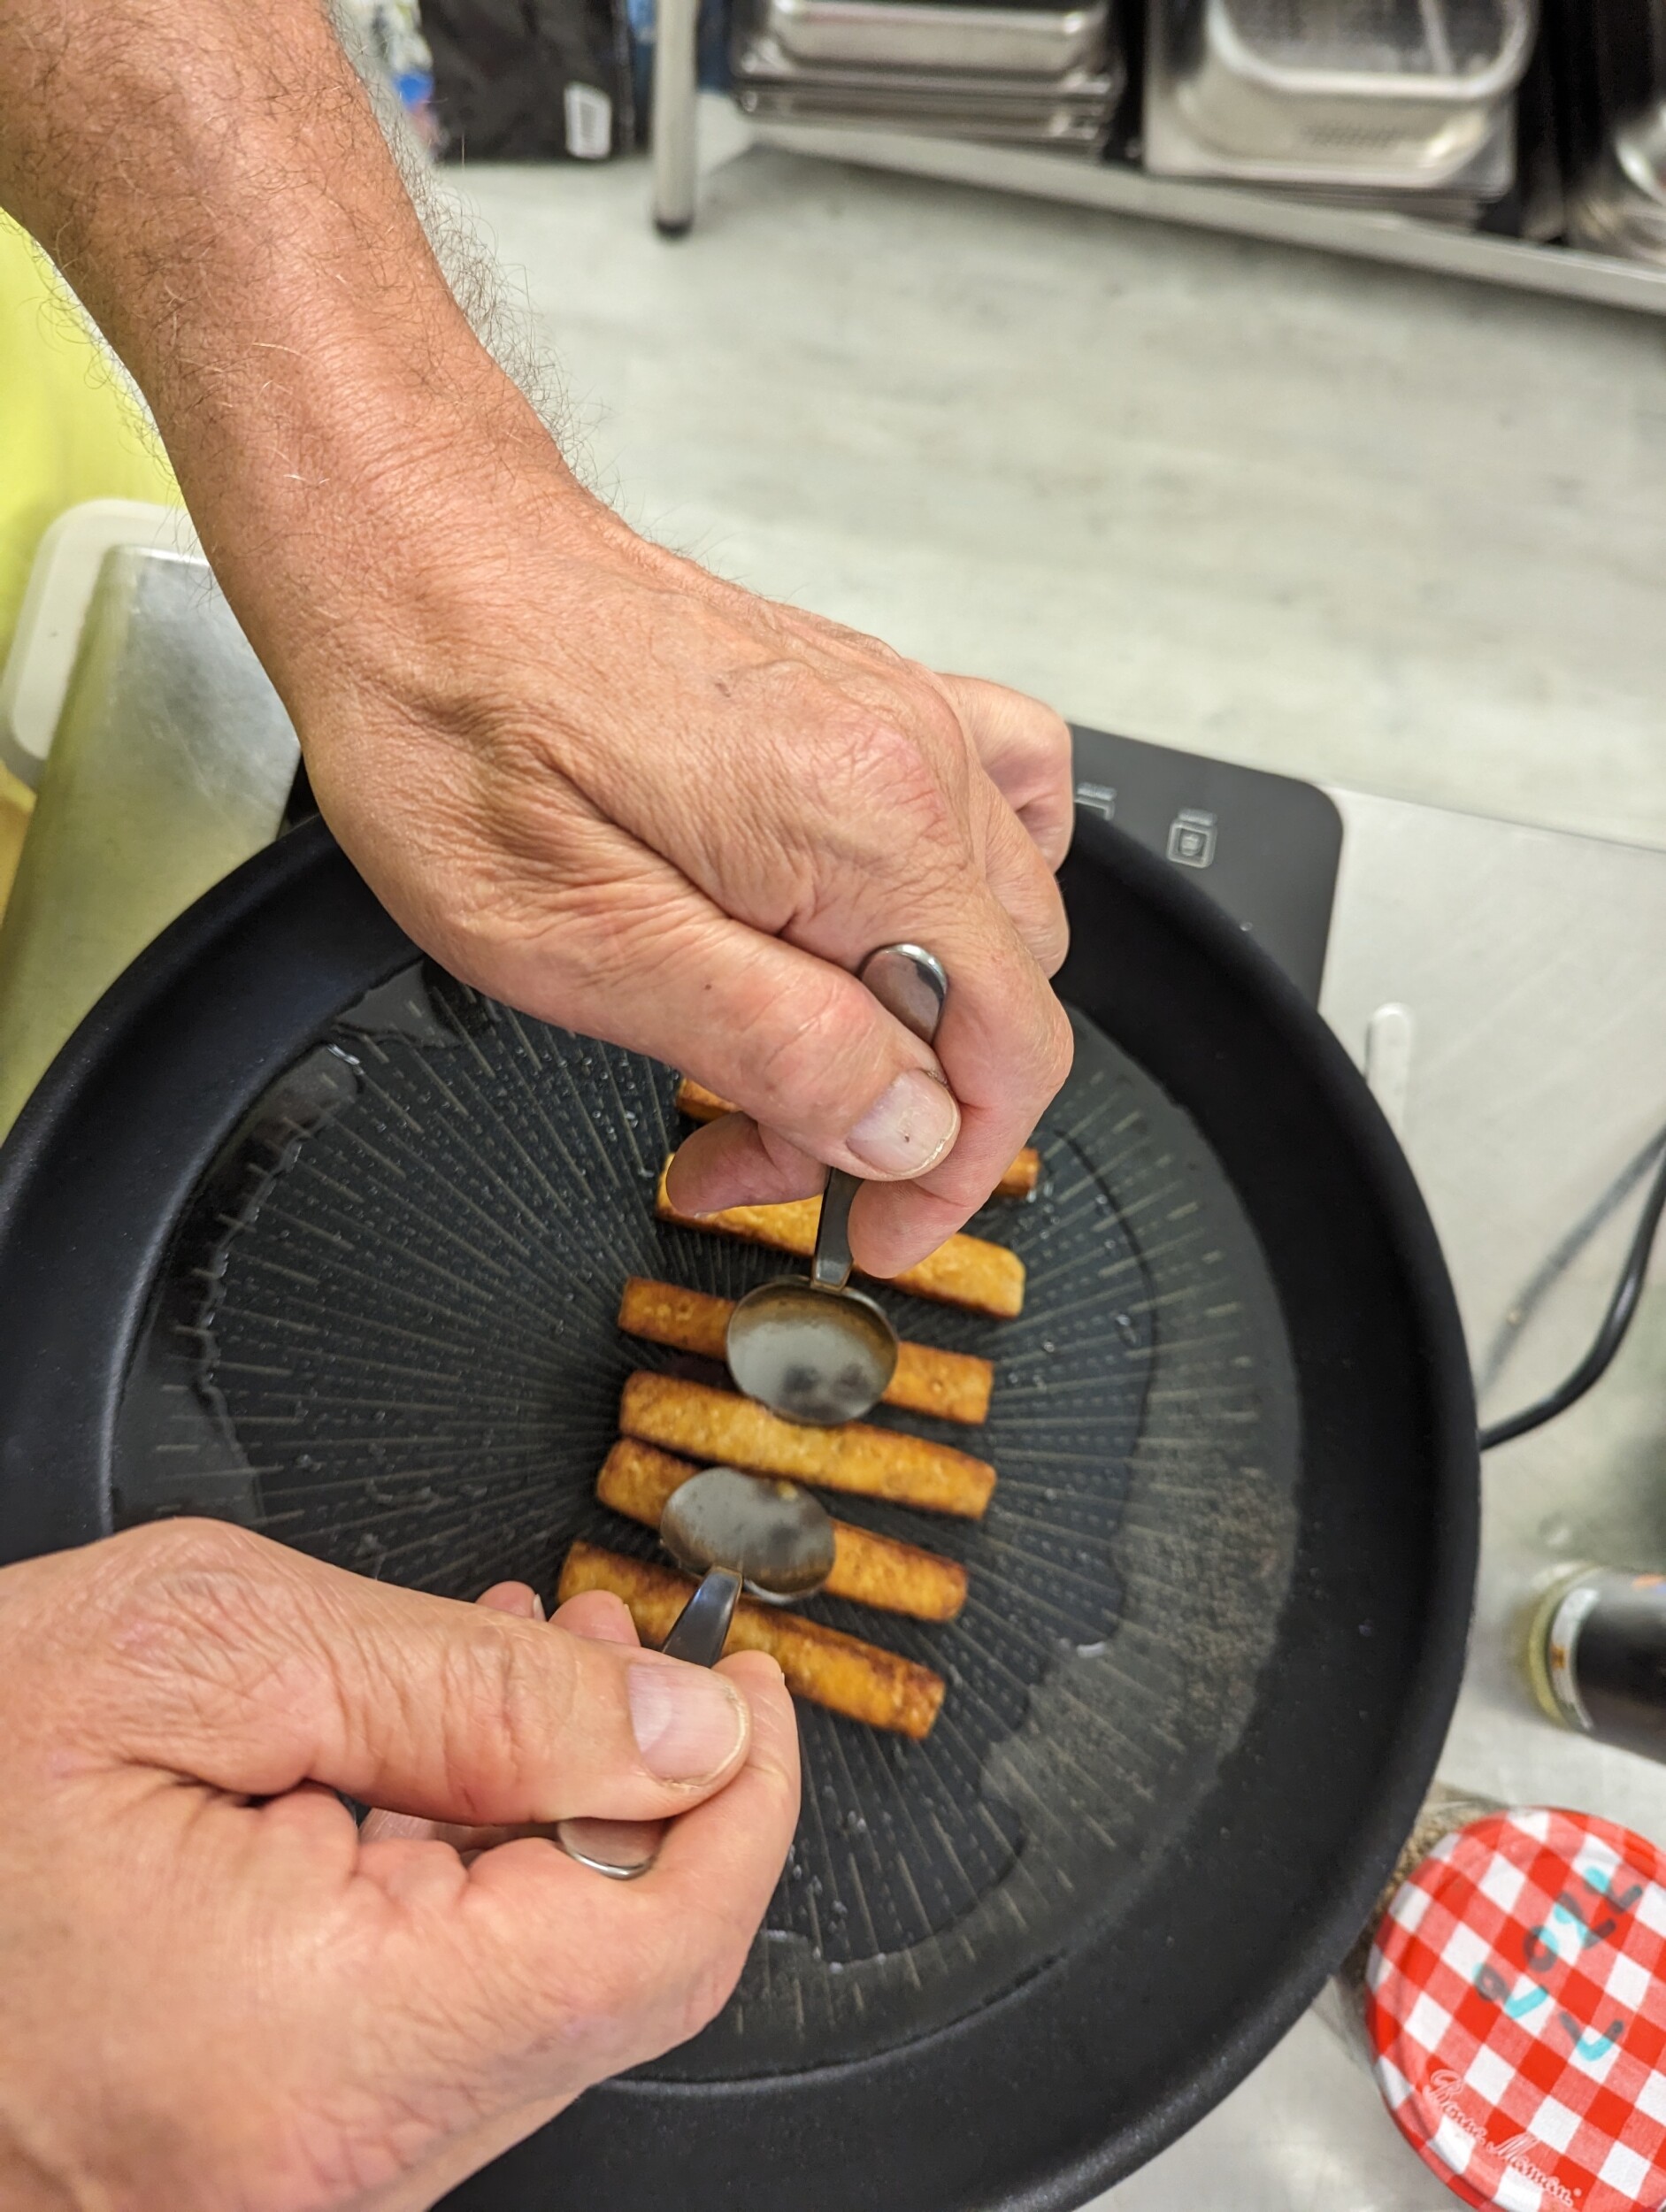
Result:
[{"x": 301, "y": 1232}]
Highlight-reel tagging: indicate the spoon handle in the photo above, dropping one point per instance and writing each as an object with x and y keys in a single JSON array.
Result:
[
  {"x": 622, "y": 1849},
  {"x": 701, "y": 1629},
  {"x": 830, "y": 1264},
  {"x": 910, "y": 984}
]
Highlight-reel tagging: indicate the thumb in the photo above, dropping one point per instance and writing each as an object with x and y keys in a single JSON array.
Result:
[
  {"x": 384, "y": 1827},
  {"x": 253, "y": 1669}
]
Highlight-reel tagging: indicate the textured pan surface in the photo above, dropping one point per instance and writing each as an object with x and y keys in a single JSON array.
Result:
[
  {"x": 385, "y": 1333},
  {"x": 1212, "y": 1932}
]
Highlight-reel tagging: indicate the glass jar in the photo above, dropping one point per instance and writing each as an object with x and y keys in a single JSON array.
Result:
[{"x": 1509, "y": 1996}]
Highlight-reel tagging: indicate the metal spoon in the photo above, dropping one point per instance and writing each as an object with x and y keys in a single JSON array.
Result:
[
  {"x": 731, "y": 1528},
  {"x": 755, "y": 1529},
  {"x": 809, "y": 1347}
]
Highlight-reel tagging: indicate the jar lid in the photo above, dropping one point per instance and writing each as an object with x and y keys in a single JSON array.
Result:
[{"x": 1517, "y": 2010}]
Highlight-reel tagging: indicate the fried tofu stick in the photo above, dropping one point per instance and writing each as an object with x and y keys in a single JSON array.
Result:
[
  {"x": 953, "y": 1385},
  {"x": 869, "y": 1569},
  {"x": 963, "y": 1271},
  {"x": 840, "y": 1672},
  {"x": 700, "y": 1104},
  {"x": 720, "y": 1427}
]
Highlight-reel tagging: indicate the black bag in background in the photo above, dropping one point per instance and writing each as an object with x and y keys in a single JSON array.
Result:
[{"x": 531, "y": 80}]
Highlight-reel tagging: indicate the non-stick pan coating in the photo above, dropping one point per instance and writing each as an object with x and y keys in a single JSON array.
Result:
[
  {"x": 366, "y": 1271},
  {"x": 386, "y": 1332}
]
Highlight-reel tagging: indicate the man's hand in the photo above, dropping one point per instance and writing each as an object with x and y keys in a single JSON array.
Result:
[
  {"x": 218, "y": 1996},
  {"x": 632, "y": 800},
  {"x": 589, "y": 777}
]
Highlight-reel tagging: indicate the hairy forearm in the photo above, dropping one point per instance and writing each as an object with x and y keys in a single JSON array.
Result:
[
  {"x": 590, "y": 778},
  {"x": 209, "y": 177}
]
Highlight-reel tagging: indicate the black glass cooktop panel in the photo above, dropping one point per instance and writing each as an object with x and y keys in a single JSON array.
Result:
[{"x": 1266, "y": 847}]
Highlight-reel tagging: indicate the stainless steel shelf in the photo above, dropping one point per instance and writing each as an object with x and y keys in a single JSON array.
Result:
[{"x": 1400, "y": 239}]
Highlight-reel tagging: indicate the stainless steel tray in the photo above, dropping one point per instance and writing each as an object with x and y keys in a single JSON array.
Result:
[
  {"x": 1332, "y": 92},
  {"x": 764, "y": 59},
  {"x": 1619, "y": 205},
  {"x": 917, "y": 35},
  {"x": 1445, "y": 52},
  {"x": 1464, "y": 199},
  {"x": 1038, "y": 125}
]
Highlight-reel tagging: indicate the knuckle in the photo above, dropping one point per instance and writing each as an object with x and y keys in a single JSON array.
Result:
[
  {"x": 809, "y": 1068},
  {"x": 892, "y": 769},
  {"x": 508, "y": 1699},
  {"x": 883, "y": 745},
  {"x": 915, "y": 780}
]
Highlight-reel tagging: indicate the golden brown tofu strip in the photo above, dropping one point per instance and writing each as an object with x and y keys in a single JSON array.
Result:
[
  {"x": 953, "y": 1385},
  {"x": 700, "y": 1104},
  {"x": 1020, "y": 1180},
  {"x": 840, "y": 1672},
  {"x": 636, "y": 1481},
  {"x": 720, "y": 1427},
  {"x": 964, "y": 1271}
]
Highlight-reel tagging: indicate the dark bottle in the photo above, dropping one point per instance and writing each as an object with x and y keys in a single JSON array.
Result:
[{"x": 1596, "y": 1656}]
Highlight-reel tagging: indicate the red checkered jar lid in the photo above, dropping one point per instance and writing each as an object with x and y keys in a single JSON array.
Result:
[{"x": 1516, "y": 2003}]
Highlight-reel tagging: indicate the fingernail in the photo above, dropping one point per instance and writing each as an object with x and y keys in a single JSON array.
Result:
[
  {"x": 687, "y": 1722},
  {"x": 910, "y": 1128},
  {"x": 539, "y": 1613}
]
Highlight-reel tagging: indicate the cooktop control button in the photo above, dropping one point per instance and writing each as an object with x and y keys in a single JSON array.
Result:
[
  {"x": 1098, "y": 798},
  {"x": 1191, "y": 838}
]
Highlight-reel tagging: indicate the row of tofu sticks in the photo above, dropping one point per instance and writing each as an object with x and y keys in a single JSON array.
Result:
[{"x": 670, "y": 1427}]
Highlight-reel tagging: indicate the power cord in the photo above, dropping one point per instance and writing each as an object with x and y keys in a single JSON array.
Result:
[{"x": 1615, "y": 1322}]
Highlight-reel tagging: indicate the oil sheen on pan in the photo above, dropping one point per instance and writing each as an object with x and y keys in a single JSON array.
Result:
[{"x": 384, "y": 1333}]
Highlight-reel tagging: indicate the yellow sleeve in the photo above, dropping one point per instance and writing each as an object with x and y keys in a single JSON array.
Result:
[{"x": 68, "y": 429}]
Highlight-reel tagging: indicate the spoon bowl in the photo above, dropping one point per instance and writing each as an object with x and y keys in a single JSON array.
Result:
[
  {"x": 810, "y": 1353},
  {"x": 811, "y": 1348},
  {"x": 730, "y": 1529},
  {"x": 772, "y": 1534}
]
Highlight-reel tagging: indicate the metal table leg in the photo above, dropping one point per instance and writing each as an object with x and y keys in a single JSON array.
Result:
[{"x": 675, "y": 74}]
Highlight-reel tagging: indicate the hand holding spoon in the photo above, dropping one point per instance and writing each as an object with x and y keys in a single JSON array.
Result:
[
  {"x": 811, "y": 1349},
  {"x": 731, "y": 1528}
]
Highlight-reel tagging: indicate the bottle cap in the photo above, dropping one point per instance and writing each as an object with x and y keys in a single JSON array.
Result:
[{"x": 1517, "y": 2010}]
